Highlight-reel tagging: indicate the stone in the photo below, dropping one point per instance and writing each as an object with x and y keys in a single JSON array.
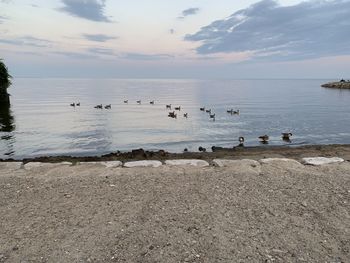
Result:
[
  {"x": 321, "y": 160},
  {"x": 154, "y": 164},
  {"x": 191, "y": 162},
  {"x": 108, "y": 164},
  {"x": 229, "y": 163},
  {"x": 272, "y": 160},
  {"x": 31, "y": 165},
  {"x": 11, "y": 165}
]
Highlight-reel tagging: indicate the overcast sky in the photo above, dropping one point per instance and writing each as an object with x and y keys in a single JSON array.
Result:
[{"x": 176, "y": 39}]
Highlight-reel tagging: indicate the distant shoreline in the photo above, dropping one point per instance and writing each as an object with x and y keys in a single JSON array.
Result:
[
  {"x": 337, "y": 85},
  {"x": 256, "y": 153}
]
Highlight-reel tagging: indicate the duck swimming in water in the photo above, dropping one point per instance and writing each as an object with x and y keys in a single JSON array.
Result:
[{"x": 286, "y": 136}]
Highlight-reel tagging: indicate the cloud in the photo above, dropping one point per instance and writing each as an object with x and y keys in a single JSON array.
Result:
[
  {"x": 102, "y": 51},
  {"x": 310, "y": 29},
  {"x": 139, "y": 56},
  {"x": 98, "y": 37},
  {"x": 74, "y": 55},
  {"x": 189, "y": 12},
  {"x": 88, "y": 9},
  {"x": 27, "y": 41},
  {"x": 2, "y": 18}
]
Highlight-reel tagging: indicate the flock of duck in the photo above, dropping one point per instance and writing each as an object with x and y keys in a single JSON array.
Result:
[{"x": 264, "y": 139}]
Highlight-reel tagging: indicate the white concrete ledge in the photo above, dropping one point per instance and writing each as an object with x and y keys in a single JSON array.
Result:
[
  {"x": 11, "y": 165},
  {"x": 272, "y": 160},
  {"x": 191, "y": 162},
  {"x": 321, "y": 160},
  {"x": 108, "y": 164},
  {"x": 154, "y": 164},
  {"x": 33, "y": 165},
  {"x": 232, "y": 163}
]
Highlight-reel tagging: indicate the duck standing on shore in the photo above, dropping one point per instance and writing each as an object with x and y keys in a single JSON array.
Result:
[
  {"x": 264, "y": 139},
  {"x": 241, "y": 141}
]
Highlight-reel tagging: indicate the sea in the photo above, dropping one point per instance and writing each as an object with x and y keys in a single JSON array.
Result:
[{"x": 41, "y": 122}]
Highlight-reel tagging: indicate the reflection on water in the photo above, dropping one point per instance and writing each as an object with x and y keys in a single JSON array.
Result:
[
  {"x": 46, "y": 124},
  {"x": 6, "y": 126}
]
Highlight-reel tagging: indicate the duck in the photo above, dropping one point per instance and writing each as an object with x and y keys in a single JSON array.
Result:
[
  {"x": 109, "y": 106},
  {"x": 72, "y": 104},
  {"x": 230, "y": 111},
  {"x": 235, "y": 112},
  {"x": 138, "y": 102},
  {"x": 172, "y": 115},
  {"x": 186, "y": 115},
  {"x": 168, "y": 106},
  {"x": 264, "y": 138},
  {"x": 286, "y": 136},
  {"x": 212, "y": 116},
  {"x": 178, "y": 108},
  {"x": 78, "y": 104},
  {"x": 98, "y": 106},
  {"x": 208, "y": 111},
  {"x": 201, "y": 149},
  {"x": 126, "y": 101},
  {"x": 202, "y": 109},
  {"x": 151, "y": 102},
  {"x": 241, "y": 139}
]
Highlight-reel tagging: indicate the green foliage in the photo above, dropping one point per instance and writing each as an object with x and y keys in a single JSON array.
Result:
[{"x": 5, "y": 77}]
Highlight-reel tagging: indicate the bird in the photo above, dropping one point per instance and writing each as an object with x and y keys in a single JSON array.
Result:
[
  {"x": 78, "y": 104},
  {"x": 72, "y": 104},
  {"x": 230, "y": 111},
  {"x": 286, "y": 136},
  {"x": 172, "y": 115},
  {"x": 201, "y": 149},
  {"x": 212, "y": 116},
  {"x": 241, "y": 141},
  {"x": 235, "y": 112},
  {"x": 151, "y": 102},
  {"x": 178, "y": 108},
  {"x": 202, "y": 109},
  {"x": 185, "y": 150},
  {"x": 98, "y": 106},
  {"x": 126, "y": 101},
  {"x": 109, "y": 106},
  {"x": 168, "y": 106},
  {"x": 208, "y": 111},
  {"x": 186, "y": 115},
  {"x": 139, "y": 101},
  {"x": 264, "y": 138}
]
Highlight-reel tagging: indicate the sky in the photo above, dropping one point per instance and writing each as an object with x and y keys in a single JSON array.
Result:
[{"x": 176, "y": 39}]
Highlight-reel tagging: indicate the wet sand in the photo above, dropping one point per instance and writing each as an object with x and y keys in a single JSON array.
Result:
[{"x": 248, "y": 211}]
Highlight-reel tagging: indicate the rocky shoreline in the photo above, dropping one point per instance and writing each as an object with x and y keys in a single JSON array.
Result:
[
  {"x": 255, "y": 153},
  {"x": 337, "y": 85}
]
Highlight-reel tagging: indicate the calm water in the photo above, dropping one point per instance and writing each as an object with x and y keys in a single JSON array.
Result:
[{"x": 41, "y": 122}]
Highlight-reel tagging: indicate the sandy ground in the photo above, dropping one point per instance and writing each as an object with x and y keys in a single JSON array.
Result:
[{"x": 247, "y": 212}]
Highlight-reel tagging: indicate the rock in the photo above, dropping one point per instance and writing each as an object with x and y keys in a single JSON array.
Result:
[
  {"x": 154, "y": 164},
  {"x": 11, "y": 165},
  {"x": 337, "y": 85},
  {"x": 138, "y": 153},
  {"x": 321, "y": 160},
  {"x": 229, "y": 163},
  {"x": 108, "y": 164},
  {"x": 272, "y": 160},
  {"x": 192, "y": 162},
  {"x": 31, "y": 165}
]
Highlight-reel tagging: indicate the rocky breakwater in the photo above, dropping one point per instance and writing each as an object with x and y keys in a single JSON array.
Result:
[{"x": 338, "y": 85}]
